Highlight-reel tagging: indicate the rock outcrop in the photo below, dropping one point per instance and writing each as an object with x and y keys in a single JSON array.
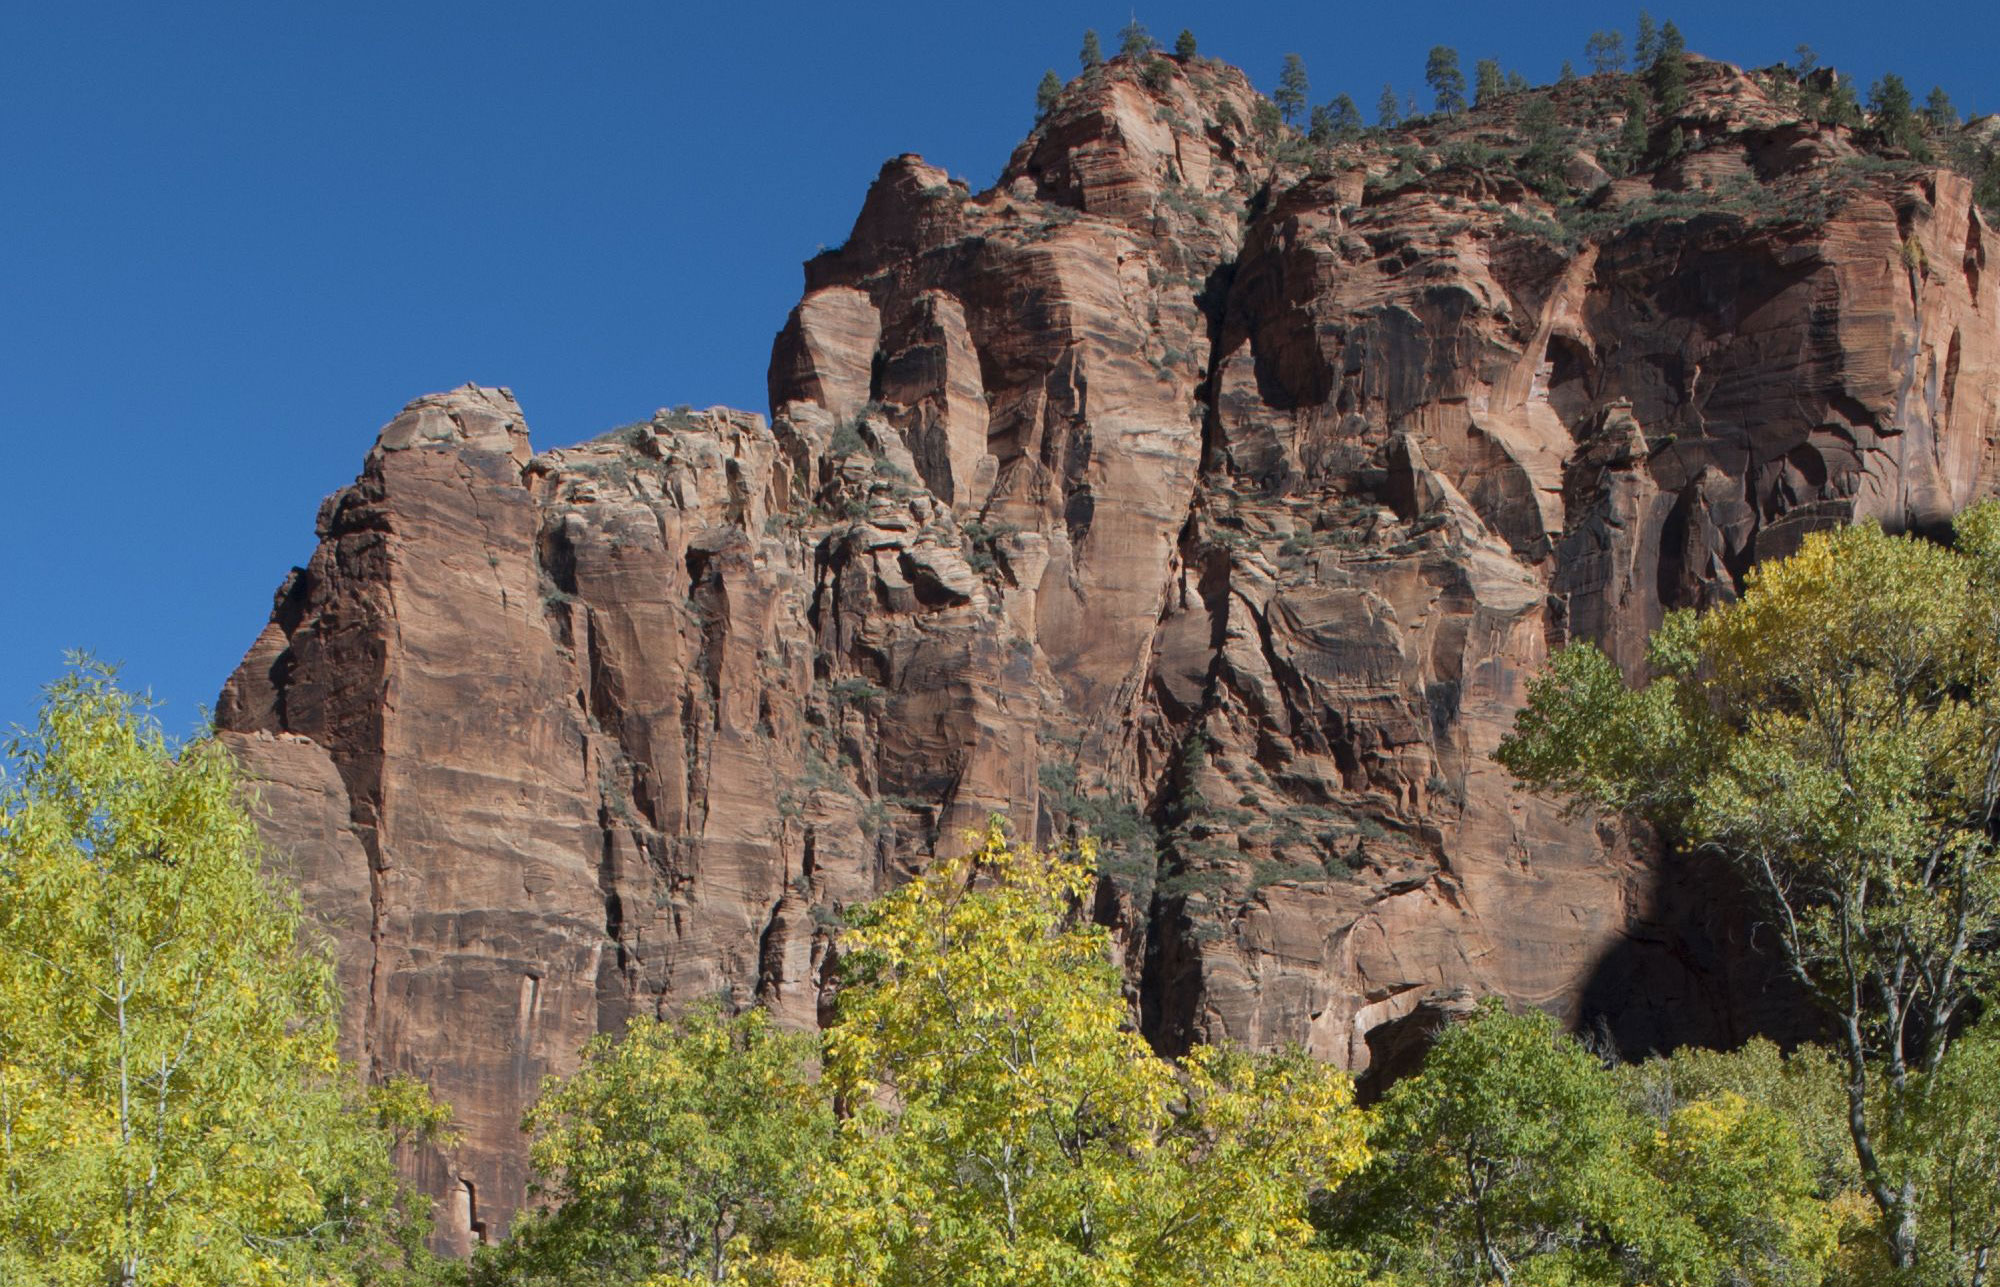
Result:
[{"x": 1187, "y": 486}]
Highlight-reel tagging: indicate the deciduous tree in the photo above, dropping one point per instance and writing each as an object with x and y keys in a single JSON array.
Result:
[
  {"x": 679, "y": 1150},
  {"x": 172, "y": 1109},
  {"x": 1005, "y": 1125},
  {"x": 1835, "y": 736}
]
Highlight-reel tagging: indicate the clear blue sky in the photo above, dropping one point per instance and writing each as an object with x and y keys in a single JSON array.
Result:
[{"x": 236, "y": 238}]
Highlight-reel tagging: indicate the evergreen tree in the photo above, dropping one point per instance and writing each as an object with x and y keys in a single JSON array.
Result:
[
  {"x": 1516, "y": 82},
  {"x": 1633, "y": 136},
  {"x": 1606, "y": 52},
  {"x": 1543, "y": 159},
  {"x": 1889, "y": 111},
  {"x": 1447, "y": 82},
  {"x": 1386, "y": 115},
  {"x": 1134, "y": 41},
  {"x": 1669, "y": 74},
  {"x": 1645, "y": 42},
  {"x": 1047, "y": 93},
  {"x": 1184, "y": 46},
  {"x": 1938, "y": 110},
  {"x": 1266, "y": 120},
  {"x": 1292, "y": 88},
  {"x": 1092, "y": 55},
  {"x": 1804, "y": 61},
  {"x": 1347, "y": 122},
  {"x": 1567, "y": 74},
  {"x": 1839, "y": 106},
  {"x": 1319, "y": 130},
  {"x": 1486, "y": 81},
  {"x": 1335, "y": 122}
]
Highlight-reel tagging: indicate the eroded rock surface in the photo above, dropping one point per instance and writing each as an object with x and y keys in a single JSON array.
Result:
[{"x": 1174, "y": 487}]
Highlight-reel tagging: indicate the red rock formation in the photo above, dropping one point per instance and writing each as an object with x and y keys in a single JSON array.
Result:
[{"x": 1166, "y": 488}]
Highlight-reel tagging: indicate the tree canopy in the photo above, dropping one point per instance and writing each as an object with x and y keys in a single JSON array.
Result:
[
  {"x": 172, "y": 1109},
  {"x": 1447, "y": 82},
  {"x": 1835, "y": 735}
]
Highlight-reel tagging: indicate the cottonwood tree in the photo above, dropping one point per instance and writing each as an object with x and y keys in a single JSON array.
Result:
[
  {"x": 1004, "y": 1124},
  {"x": 1514, "y": 1156},
  {"x": 172, "y": 1109},
  {"x": 1835, "y": 736},
  {"x": 679, "y": 1150}
]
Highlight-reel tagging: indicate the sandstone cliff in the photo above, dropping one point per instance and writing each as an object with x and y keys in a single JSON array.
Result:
[{"x": 1183, "y": 486}]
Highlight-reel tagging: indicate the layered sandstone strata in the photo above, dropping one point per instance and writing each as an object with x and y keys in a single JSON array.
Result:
[{"x": 1182, "y": 486}]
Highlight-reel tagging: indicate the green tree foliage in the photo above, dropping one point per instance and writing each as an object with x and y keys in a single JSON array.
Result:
[
  {"x": 1634, "y": 136},
  {"x": 1567, "y": 74},
  {"x": 1267, "y": 120},
  {"x": 1006, "y": 1126},
  {"x": 1134, "y": 41},
  {"x": 983, "y": 1114},
  {"x": 1386, "y": 114},
  {"x": 1292, "y": 88},
  {"x": 1838, "y": 105},
  {"x": 1047, "y": 93},
  {"x": 1645, "y": 41},
  {"x": 1835, "y": 736},
  {"x": 1515, "y": 1157},
  {"x": 1891, "y": 112},
  {"x": 1546, "y": 153},
  {"x": 1669, "y": 70},
  {"x": 1956, "y": 1132},
  {"x": 1447, "y": 82},
  {"x": 1487, "y": 82},
  {"x": 677, "y": 1151},
  {"x": 1939, "y": 113},
  {"x": 1335, "y": 122},
  {"x": 171, "y": 1106},
  {"x": 1319, "y": 130},
  {"x": 1184, "y": 46},
  {"x": 1606, "y": 52},
  {"x": 1092, "y": 54}
]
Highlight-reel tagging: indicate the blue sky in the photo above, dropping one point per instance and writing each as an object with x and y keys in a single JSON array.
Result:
[{"x": 236, "y": 238}]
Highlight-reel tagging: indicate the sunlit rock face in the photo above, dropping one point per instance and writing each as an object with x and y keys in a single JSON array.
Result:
[{"x": 1170, "y": 488}]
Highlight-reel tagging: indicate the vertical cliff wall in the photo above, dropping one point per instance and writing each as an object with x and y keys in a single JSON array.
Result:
[{"x": 1186, "y": 486}]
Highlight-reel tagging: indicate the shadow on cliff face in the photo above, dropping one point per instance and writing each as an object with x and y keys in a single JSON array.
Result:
[{"x": 1698, "y": 968}]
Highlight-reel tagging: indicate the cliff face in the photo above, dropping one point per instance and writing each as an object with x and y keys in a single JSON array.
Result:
[{"x": 1168, "y": 489}]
